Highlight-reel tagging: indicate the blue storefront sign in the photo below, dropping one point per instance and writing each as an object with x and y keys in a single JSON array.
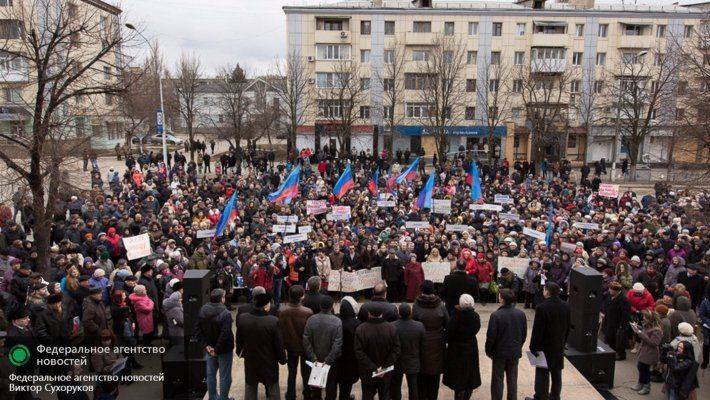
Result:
[{"x": 470, "y": 131}]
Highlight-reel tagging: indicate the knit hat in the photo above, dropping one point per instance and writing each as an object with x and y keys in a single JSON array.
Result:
[
  {"x": 635, "y": 258},
  {"x": 638, "y": 287},
  {"x": 685, "y": 329}
]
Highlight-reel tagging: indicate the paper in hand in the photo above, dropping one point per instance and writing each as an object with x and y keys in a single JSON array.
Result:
[
  {"x": 539, "y": 362},
  {"x": 382, "y": 372},
  {"x": 319, "y": 374}
]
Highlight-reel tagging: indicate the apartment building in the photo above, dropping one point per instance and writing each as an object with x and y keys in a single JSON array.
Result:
[
  {"x": 573, "y": 38},
  {"x": 96, "y": 116}
]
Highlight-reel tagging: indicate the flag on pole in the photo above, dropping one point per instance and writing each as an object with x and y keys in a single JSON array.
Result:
[
  {"x": 550, "y": 225},
  {"x": 424, "y": 199},
  {"x": 409, "y": 173},
  {"x": 372, "y": 185},
  {"x": 344, "y": 184},
  {"x": 476, "y": 193},
  {"x": 288, "y": 189},
  {"x": 228, "y": 215}
]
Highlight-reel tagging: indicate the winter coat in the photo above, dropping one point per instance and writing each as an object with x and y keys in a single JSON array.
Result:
[
  {"x": 456, "y": 284},
  {"x": 639, "y": 303},
  {"x": 390, "y": 313},
  {"x": 323, "y": 338},
  {"x": 392, "y": 270},
  {"x": 413, "y": 278},
  {"x": 292, "y": 322},
  {"x": 143, "y": 306},
  {"x": 323, "y": 267},
  {"x": 411, "y": 341},
  {"x": 174, "y": 317},
  {"x": 507, "y": 330},
  {"x": 347, "y": 363},
  {"x": 376, "y": 346},
  {"x": 461, "y": 369},
  {"x": 214, "y": 328},
  {"x": 96, "y": 317},
  {"x": 650, "y": 341},
  {"x": 550, "y": 329},
  {"x": 616, "y": 316},
  {"x": 682, "y": 313},
  {"x": 693, "y": 340},
  {"x": 260, "y": 343},
  {"x": 430, "y": 311},
  {"x": 529, "y": 284}
]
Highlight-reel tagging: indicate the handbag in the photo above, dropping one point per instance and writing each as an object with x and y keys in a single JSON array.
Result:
[{"x": 494, "y": 288}]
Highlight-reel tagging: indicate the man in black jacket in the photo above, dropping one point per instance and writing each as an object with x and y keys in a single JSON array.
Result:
[
  {"x": 507, "y": 330},
  {"x": 214, "y": 333},
  {"x": 379, "y": 299},
  {"x": 456, "y": 284},
  {"x": 376, "y": 348},
  {"x": 615, "y": 322},
  {"x": 411, "y": 341},
  {"x": 549, "y": 335}
]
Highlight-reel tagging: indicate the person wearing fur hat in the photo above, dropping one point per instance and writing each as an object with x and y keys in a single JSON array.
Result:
[{"x": 615, "y": 320}]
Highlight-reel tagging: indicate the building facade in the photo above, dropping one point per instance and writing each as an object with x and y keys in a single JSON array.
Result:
[{"x": 574, "y": 42}]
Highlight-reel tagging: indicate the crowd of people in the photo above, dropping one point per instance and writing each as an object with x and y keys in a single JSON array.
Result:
[{"x": 651, "y": 251}]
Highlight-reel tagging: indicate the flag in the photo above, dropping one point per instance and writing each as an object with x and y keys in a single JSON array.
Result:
[
  {"x": 476, "y": 193},
  {"x": 424, "y": 199},
  {"x": 288, "y": 189},
  {"x": 391, "y": 184},
  {"x": 409, "y": 173},
  {"x": 550, "y": 225},
  {"x": 228, "y": 215},
  {"x": 344, "y": 184},
  {"x": 372, "y": 184}
]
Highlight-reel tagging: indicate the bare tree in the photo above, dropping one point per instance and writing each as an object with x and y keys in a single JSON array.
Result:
[
  {"x": 642, "y": 97},
  {"x": 67, "y": 50},
  {"x": 441, "y": 84},
  {"x": 294, "y": 92},
  {"x": 234, "y": 103},
  {"x": 495, "y": 98},
  {"x": 187, "y": 83},
  {"x": 266, "y": 110},
  {"x": 392, "y": 79},
  {"x": 340, "y": 98},
  {"x": 588, "y": 107}
]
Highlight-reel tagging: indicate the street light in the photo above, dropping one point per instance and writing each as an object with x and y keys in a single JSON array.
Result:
[{"x": 160, "y": 88}]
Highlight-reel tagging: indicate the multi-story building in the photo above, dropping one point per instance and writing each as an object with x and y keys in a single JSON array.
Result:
[
  {"x": 95, "y": 116},
  {"x": 575, "y": 42}
]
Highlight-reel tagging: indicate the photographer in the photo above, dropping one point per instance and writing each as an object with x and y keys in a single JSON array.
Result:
[
  {"x": 682, "y": 377},
  {"x": 650, "y": 336}
]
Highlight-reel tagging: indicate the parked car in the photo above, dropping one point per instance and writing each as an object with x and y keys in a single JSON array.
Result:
[{"x": 156, "y": 139}]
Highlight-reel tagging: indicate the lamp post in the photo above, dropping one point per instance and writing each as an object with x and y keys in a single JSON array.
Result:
[{"x": 158, "y": 73}]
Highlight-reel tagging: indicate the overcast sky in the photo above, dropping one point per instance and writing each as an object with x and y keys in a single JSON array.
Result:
[{"x": 222, "y": 32}]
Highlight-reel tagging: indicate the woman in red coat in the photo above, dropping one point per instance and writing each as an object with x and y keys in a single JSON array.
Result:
[
  {"x": 467, "y": 256},
  {"x": 640, "y": 298},
  {"x": 413, "y": 278},
  {"x": 484, "y": 269}
]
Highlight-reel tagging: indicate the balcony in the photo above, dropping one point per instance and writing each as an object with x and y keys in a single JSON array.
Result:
[
  {"x": 635, "y": 41},
  {"x": 14, "y": 75},
  {"x": 548, "y": 65},
  {"x": 419, "y": 39},
  {"x": 332, "y": 37},
  {"x": 549, "y": 40}
]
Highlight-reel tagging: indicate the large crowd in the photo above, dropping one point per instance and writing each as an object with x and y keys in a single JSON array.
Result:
[{"x": 652, "y": 252}]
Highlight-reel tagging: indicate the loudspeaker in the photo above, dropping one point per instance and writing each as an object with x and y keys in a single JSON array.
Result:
[
  {"x": 585, "y": 290},
  {"x": 184, "y": 379},
  {"x": 196, "y": 292},
  {"x": 583, "y": 331},
  {"x": 597, "y": 366}
]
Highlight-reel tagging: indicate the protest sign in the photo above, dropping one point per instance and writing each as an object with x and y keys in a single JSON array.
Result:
[
  {"x": 341, "y": 213},
  {"x": 436, "y": 271},
  {"x": 509, "y": 216},
  {"x": 586, "y": 225},
  {"x": 568, "y": 247},
  {"x": 503, "y": 199},
  {"x": 515, "y": 264},
  {"x": 417, "y": 225},
  {"x": 206, "y": 233},
  {"x": 315, "y": 207},
  {"x": 368, "y": 278},
  {"x": 534, "y": 234},
  {"x": 609, "y": 190},
  {"x": 283, "y": 228},
  {"x": 305, "y": 229},
  {"x": 486, "y": 207},
  {"x": 334, "y": 280},
  {"x": 349, "y": 282},
  {"x": 386, "y": 203},
  {"x": 284, "y": 219},
  {"x": 441, "y": 206},
  {"x": 457, "y": 227},
  {"x": 137, "y": 246},
  {"x": 299, "y": 237}
]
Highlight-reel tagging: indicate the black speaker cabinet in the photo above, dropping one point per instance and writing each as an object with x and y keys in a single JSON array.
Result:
[
  {"x": 585, "y": 291},
  {"x": 596, "y": 366},
  {"x": 185, "y": 379},
  {"x": 196, "y": 292},
  {"x": 583, "y": 331}
]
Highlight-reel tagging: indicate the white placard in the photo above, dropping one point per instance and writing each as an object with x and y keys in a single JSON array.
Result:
[
  {"x": 137, "y": 246},
  {"x": 315, "y": 207},
  {"x": 534, "y": 234},
  {"x": 305, "y": 229},
  {"x": 515, "y": 264},
  {"x": 503, "y": 199},
  {"x": 349, "y": 282},
  {"x": 568, "y": 247},
  {"x": 436, "y": 271},
  {"x": 457, "y": 228},
  {"x": 609, "y": 190},
  {"x": 586, "y": 225},
  {"x": 386, "y": 203},
  {"x": 368, "y": 278},
  {"x": 441, "y": 206},
  {"x": 341, "y": 212},
  {"x": 319, "y": 374},
  {"x": 486, "y": 207},
  {"x": 417, "y": 225},
  {"x": 334, "y": 280},
  {"x": 284, "y": 219},
  {"x": 509, "y": 216},
  {"x": 206, "y": 233},
  {"x": 283, "y": 228},
  {"x": 299, "y": 237}
]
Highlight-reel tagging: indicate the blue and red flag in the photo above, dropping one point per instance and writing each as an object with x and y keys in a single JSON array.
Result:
[
  {"x": 550, "y": 225},
  {"x": 372, "y": 185},
  {"x": 424, "y": 199},
  {"x": 288, "y": 189},
  {"x": 409, "y": 173},
  {"x": 476, "y": 193},
  {"x": 228, "y": 215},
  {"x": 345, "y": 183}
]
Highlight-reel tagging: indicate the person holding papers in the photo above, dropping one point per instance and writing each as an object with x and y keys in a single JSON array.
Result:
[
  {"x": 549, "y": 335},
  {"x": 377, "y": 348},
  {"x": 322, "y": 344}
]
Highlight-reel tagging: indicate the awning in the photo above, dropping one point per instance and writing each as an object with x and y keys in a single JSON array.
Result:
[
  {"x": 474, "y": 131},
  {"x": 550, "y": 23},
  {"x": 633, "y": 23}
]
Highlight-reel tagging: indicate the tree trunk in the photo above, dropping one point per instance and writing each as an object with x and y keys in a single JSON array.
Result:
[
  {"x": 633, "y": 146},
  {"x": 491, "y": 147},
  {"x": 191, "y": 138},
  {"x": 41, "y": 229},
  {"x": 441, "y": 145}
]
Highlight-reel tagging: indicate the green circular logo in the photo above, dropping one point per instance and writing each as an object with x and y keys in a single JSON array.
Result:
[{"x": 19, "y": 355}]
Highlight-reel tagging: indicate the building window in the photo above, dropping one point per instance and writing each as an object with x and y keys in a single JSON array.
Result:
[
  {"x": 389, "y": 27},
  {"x": 420, "y": 55},
  {"x": 388, "y": 112},
  {"x": 598, "y": 87},
  {"x": 577, "y": 58},
  {"x": 329, "y": 25},
  {"x": 417, "y": 110},
  {"x": 448, "y": 57},
  {"x": 603, "y": 30},
  {"x": 657, "y": 59},
  {"x": 365, "y": 27},
  {"x": 579, "y": 30},
  {"x": 655, "y": 86},
  {"x": 495, "y": 58},
  {"x": 13, "y": 95},
  {"x": 470, "y": 113},
  {"x": 660, "y": 31},
  {"x": 108, "y": 98},
  {"x": 388, "y": 84},
  {"x": 518, "y": 85},
  {"x": 333, "y": 51},
  {"x": 497, "y": 29},
  {"x": 79, "y": 123},
  {"x": 10, "y": 29},
  {"x": 473, "y": 28},
  {"x": 679, "y": 113},
  {"x": 574, "y": 86},
  {"x": 107, "y": 72},
  {"x": 449, "y": 28},
  {"x": 516, "y": 112},
  {"x": 492, "y": 112},
  {"x": 688, "y": 31},
  {"x": 571, "y": 141},
  {"x": 418, "y": 81},
  {"x": 389, "y": 56},
  {"x": 329, "y": 109},
  {"x": 470, "y": 85},
  {"x": 519, "y": 58},
  {"x": 493, "y": 85},
  {"x": 5, "y": 3},
  {"x": 365, "y": 112},
  {"x": 421, "y": 26},
  {"x": 326, "y": 80},
  {"x": 364, "y": 56},
  {"x": 520, "y": 28},
  {"x": 601, "y": 59},
  {"x": 631, "y": 57},
  {"x": 364, "y": 83},
  {"x": 654, "y": 114},
  {"x": 471, "y": 57}
]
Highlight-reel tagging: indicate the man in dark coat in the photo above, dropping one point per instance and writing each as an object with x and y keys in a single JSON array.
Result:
[
  {"x": 549, "y": 335},
  {"x": 292, "y": 322},
  {"x": 323, "y": 344},
  {"x": 379, "y": 300},
  {"x": 260, "y": 343},
  {"x": 214, "y": 333},
  {"x": 6, "y": 369},
  {"x": 313, "y": 296},
  {"x": 393, "y": 272},
  {"x": 376, "y": 348},
  {"x": 151, "y": 289},
  {"x": 615, "y": 323},
  {"x": 694, "y": 283},
  {"x": 53, "y": 327},
  {"x": 507, "y": 330},
  {"x": 457, "y": 283},
  {"x": 411, "y": 341},
  {"x": 20, "y": 333},
  {"x": 96, "y": 316}
]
